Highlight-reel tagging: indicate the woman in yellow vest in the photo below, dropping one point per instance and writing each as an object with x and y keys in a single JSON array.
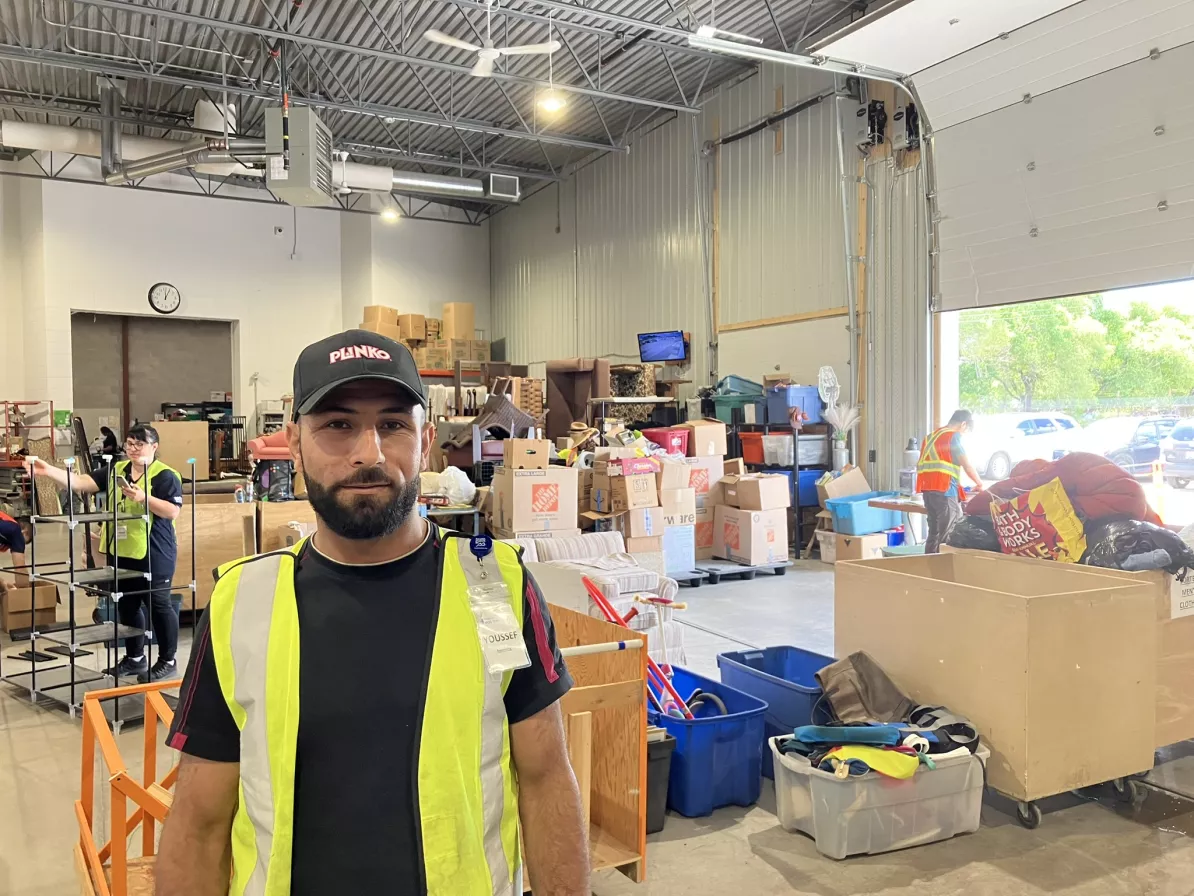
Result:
[
  {"x": 939, "y": 477},
  {"x": 374, "y": 710},
  {"x": 138, "y": 485}
]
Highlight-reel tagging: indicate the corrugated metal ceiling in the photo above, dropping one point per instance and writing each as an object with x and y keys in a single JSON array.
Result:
[{"x": 51, "y": 52}]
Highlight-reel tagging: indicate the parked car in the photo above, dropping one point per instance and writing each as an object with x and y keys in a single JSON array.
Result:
[
  {"x": 1132, "y": 442},
  {"x": 1177, "y": 454},
  {"x": 1000, "y": 441}
]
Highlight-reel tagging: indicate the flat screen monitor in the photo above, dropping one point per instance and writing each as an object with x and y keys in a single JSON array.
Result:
[{"x": 665, "y": 346}]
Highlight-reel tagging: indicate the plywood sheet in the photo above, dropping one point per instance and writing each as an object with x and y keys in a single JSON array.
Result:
[
  {"x": 273, "y": 518},
  {"x": 219, "y": 539},
  {"x": 180, "y": 441}
]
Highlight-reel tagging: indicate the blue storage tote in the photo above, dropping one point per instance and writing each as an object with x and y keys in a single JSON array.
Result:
[
  {"x": 718, "y": 759},
  {"x": 855, "y": 516},
  {"x": 780, "y": 398},
  {"x": 785, "y": 678}
]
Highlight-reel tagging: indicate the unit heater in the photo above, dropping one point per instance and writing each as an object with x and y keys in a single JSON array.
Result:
[
  {"x": 308, "y": 181},
  {"x": 504, "y": 186}
]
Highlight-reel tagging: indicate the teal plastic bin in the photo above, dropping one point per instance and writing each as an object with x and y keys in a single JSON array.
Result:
[{"x": 724, "y": 405}]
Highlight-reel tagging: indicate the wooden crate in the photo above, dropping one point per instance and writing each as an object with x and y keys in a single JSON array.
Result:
[
  {"x": 273, "y": 519},
  {"x": 219, "y": 539}
]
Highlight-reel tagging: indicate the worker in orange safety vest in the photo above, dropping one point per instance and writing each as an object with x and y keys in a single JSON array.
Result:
[{"x": 939, "y": 477}]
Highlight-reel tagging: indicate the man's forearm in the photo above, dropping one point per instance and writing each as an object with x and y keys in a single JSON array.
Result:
[
  {"x": 192, "y": 862},
  {"x": 556, "y": 847}
]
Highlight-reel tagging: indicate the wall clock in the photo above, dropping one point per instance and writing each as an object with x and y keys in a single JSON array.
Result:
[{"x": 164, "y": 298}]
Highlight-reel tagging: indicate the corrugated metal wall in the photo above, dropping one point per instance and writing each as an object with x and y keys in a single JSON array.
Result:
[
  {"x": 629, "y": 255},
  {"x": 898, "y": 379}
]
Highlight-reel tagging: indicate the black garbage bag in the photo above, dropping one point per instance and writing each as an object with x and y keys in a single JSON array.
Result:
[
  {"x": 973, "y": 533},
  {"x": 1109, "y": 542}
]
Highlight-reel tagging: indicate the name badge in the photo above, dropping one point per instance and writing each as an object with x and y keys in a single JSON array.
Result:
[{"x": 502, "y": 644}]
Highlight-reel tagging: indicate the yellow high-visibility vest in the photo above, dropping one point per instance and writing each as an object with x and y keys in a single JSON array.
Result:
[
  {"x": 467, "y": 793},
  {"x": 131, "y": 538}
]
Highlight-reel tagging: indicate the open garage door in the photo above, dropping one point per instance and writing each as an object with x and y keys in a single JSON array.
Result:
[{"x": 1062, "y": 148}]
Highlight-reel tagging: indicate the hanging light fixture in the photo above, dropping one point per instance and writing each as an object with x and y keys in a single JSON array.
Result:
[
  {"x": 551, "y": 101},
  {"x": 389, "y": 214}
]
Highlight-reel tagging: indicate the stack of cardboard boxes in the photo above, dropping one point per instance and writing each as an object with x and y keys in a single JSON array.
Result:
[
  {"x": 834, "y": 546},
  {"x": 530, "y": 497},
  {"x": 751, "y": 527},
  {"x": 436, "y": 344}
]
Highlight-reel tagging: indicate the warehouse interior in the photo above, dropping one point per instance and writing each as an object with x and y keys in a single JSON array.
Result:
[{"x": 698, "y": 270}]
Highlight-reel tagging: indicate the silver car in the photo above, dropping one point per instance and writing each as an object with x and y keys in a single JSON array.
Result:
[{"x": 1000, "y": 441}]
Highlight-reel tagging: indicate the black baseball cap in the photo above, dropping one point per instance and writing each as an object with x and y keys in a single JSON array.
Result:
[{"x": 351, "y": 356}]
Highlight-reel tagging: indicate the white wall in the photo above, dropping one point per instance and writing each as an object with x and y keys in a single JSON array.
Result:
[
  {"x": 277, "y": 273},
  {"x": 800, "y": 349}
]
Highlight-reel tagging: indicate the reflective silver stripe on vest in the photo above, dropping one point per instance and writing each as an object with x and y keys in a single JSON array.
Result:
[
  {"x": 493, "y": 719},
  {"x": 251, "y": 617}
]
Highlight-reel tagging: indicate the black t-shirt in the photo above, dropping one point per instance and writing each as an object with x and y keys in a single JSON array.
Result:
[
  {"x": 163, "y": 545},
  {"x": 365, "y": 638}
]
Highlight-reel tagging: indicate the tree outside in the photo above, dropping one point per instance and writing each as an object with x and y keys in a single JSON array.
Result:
[{"x": 1089, "y": 356}]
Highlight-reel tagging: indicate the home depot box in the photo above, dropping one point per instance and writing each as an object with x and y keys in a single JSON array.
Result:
[
  {"x": 479, "y": 350},
  {"x": 526, "y": 454},
  {"x": 703, "y": 475},
  {"x": 1175, "y": 649},
  {"x": 836, "y": 547},
  {"x": 380, "y": 314},
  {"x": 642, "y": 522},
  {"x": 413, "y": 326},
  {"x": 617, "y": 494},
  {"x": 1043, "y": 658},
  {"x": 526, "y": 500},
  {"x": 703, "y": 532},
  {"x": 754, "y": 537},
  {"x": 679, "y": 506},
  {"x": 757, "y": 491},
  {"x": 458, "y": 321},
  {"x": 706, "y": 438},
  {"x": 512, "y": 534}
]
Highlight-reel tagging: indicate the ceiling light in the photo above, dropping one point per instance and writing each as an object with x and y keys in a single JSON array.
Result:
[
  {"x": 389, "y": 214},
  {"x": 552, "y": 102}
]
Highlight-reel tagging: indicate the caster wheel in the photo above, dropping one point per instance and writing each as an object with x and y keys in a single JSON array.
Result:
[
  {"x": 1127, "y": 791},
  {"x": 695, "y": 583},
  {"x": 781, "y": 570},
  {"x": 748, "y": 576},
  {"x": 1029, "y": 815},
  {"x": 714, "y": 580}
]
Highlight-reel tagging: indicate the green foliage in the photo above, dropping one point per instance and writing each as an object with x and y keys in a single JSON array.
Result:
[{"x": 1076, "y": 355}]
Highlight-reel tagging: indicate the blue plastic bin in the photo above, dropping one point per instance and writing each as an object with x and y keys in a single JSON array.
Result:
[
  {"x": 854, "y": 516},
  {"x": 780, "y": 398},
  {"x": 718, "y": 759},
  {"x": 785, "y": 678}
]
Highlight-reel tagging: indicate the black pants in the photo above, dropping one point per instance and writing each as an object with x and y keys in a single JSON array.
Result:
[
  {"x": 161, "y": 612},
  {"x": 943, "y": 510}
]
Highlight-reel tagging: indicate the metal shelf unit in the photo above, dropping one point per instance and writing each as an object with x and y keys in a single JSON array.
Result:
[{"x": 66, "y": 683}]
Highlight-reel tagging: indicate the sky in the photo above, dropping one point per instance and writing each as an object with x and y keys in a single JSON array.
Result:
[{"x": 1180, "y": 295}]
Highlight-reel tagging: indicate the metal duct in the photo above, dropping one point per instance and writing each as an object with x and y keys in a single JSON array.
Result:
[
  {"x": 111, "y": 158},
  {"x": 437, "y": 185}
]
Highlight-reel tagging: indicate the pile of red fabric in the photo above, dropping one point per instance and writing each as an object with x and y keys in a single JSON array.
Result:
[{"x": 1097, "y": 487}]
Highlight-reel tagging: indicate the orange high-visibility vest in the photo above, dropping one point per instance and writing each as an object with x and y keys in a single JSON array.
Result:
[{"x": 936, "y": 470}]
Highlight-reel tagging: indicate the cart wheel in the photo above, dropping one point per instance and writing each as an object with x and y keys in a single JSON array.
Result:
[
  {"x": 748, "y": 576},
  {"x": 1127, "y": 791},
  {"x": 1029, "y": 815},
  {"x": 695, "y": 583},
  {"x": 781, "y": 570},
  {"x": 714, "y": 579}
]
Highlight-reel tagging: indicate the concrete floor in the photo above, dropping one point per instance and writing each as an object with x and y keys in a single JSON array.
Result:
[{"x": 1085, "y": 846}]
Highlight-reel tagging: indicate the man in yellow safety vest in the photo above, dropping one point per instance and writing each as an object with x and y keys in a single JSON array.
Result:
[
  {"x": 939, "y": 477},
  {"x": 421, "y": 724}
]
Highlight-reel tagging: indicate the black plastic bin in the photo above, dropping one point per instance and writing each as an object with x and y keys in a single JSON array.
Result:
[{"x": 659, "y": 767}]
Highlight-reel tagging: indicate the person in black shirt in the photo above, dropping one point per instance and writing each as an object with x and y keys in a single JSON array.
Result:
[
  {"x": 158, "y": 557},
  {"x": 14, "y": 535},
  {"x": 367, "y": 592}
]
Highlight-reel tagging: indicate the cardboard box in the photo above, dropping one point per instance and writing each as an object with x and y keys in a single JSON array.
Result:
[
  {"x": 632, "y": 466},
  {"x": 479, "y": 350},
  {"x": 528, "y": 500},
  {"x": 617, "y": 494},
  {"x": 836, "y": 547},
  {"x": 592, "y": 521},
  {"x": 511, "y": 534},
  {"x": 754, "y": 537},
  {"x": 704, "y": 473},
  {"x": 703, "y": 532},
  {"x": 1043, "y": 658},
  {"x": 420, "y": 355},
  {"x": 651, "y": 545},
  {"x": 642, "y": 522},
  {"x": 603, "y": 457},
  {"x": 459, "y": 350},
  {"x": 706, "y": 438},
  {"x": 413, "y": 326},
  {"x": 434, "y": 327},
  {"x": 437, "y": 358},
  {"x": 526, "y": 454},
  {"x": 458, "y": 321},
  {"x": 379, "y": 314},
  {"x": 12, "y": 620},
  {"x": 584, "y": 488},
  {"x": 734, "y": 466},
  {"x": 24, "y": 600},
  {"x": 679, "y": 506},
  {"x": 671, "y": 475},
  {"x": 679, "y": 549},
  {"x": 390, "y": 331},
  {"x": 757, "y": 491},
  {"x": 849, "y": 483}
]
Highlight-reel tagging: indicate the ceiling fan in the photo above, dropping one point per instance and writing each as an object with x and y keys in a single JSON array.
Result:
[{"x": 488, "y": 54}]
